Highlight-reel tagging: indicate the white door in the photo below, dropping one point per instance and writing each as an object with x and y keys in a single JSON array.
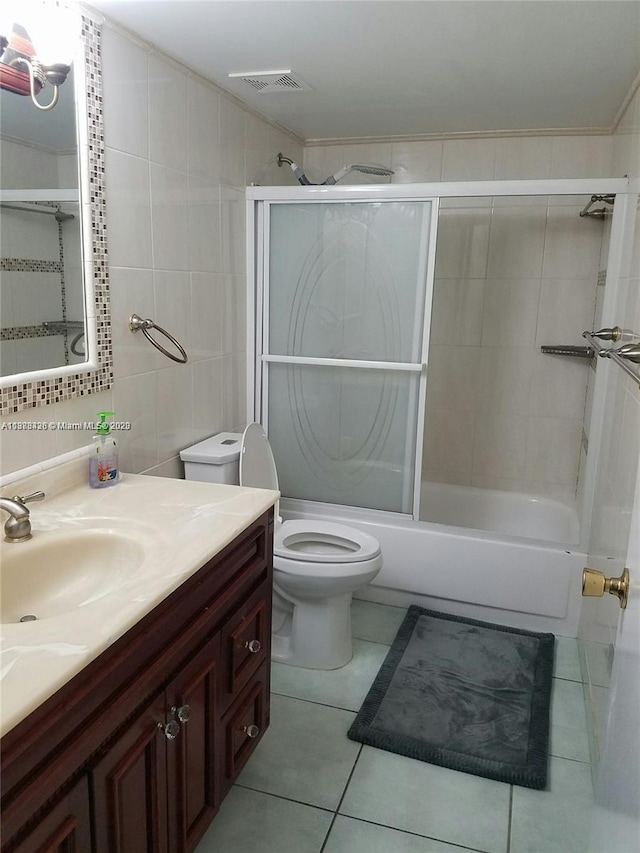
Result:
[{"x": 616, "y": 816}]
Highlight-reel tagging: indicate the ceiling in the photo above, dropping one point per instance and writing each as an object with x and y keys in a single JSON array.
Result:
[{"x": 406, "y": 67}]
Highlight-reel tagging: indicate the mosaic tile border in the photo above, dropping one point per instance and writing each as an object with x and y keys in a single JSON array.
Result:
[
  {"x": 27, "y": 265},
  {"x": 18, "y": 333},
  {"x": 27, "y": 395}
]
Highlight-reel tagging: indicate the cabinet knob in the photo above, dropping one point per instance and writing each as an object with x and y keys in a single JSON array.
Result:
[
  {"x": 251, "y": 731},
  {"x": 171, "y": 729},
  {"x": 254, "y": 646},
  {"x": 182, "y": 713}
]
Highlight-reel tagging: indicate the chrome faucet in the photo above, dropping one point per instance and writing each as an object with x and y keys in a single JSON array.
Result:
[{"x": 18, "y": 527}]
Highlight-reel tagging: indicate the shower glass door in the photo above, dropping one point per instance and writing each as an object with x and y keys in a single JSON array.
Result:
[{"x": 346, "y": 286}]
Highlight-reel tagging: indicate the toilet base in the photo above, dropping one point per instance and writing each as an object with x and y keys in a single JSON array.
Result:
[{"x": 316, "y": 634}]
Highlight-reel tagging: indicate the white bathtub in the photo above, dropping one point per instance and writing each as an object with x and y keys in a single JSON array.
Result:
[
  {"x": 512, "y": 513},
  {"x": 514, "y": 577}
]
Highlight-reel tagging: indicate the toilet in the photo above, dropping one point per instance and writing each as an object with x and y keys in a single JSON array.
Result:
[{"x": 317, "y": 565}]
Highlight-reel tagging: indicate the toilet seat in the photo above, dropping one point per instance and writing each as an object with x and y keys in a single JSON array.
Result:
[
  {"x": 257, "y": 465},
  {"x": 309, "y": 540},
  {"x": 314, "y": 541}
]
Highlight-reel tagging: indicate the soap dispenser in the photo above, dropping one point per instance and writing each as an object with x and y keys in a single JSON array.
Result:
[{"x": 103, "y": 461}]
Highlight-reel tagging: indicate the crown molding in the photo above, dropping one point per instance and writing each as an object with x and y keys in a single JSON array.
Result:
[
  {"x": 472, "y": 134},
  {"x": 633, "y": 88}
]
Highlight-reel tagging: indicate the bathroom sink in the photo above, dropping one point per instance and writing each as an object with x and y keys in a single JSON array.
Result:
[{"x": 62, "y": 573}]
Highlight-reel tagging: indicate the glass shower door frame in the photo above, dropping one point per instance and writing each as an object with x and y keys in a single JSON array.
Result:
[
  {"x": 259, "y": 250},
  {"x": 257, "y": 197}
]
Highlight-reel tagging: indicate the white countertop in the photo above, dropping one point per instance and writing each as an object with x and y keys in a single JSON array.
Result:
[{"x": 179, "y": 524}]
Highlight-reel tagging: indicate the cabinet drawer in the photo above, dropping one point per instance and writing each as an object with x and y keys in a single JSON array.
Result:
[
  {"x": 244, "y": 724},
  {"x": 245, "y": 640}
]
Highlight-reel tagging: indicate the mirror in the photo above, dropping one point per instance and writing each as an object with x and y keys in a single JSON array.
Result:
[
  {"x": 54, "y": 313},
  {"x": 42, "y": 318}
]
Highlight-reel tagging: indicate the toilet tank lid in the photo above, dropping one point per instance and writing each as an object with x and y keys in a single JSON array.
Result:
[{"x": 217, "y": 450}]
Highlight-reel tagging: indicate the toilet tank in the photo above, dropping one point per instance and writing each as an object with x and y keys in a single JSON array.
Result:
[{"x": 214, "y": 460}]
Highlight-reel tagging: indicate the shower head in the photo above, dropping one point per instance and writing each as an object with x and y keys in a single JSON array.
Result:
[{"x": 365, "y": 168}]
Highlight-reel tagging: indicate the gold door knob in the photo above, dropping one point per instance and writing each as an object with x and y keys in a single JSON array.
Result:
[{"x": 596, "y": 583}]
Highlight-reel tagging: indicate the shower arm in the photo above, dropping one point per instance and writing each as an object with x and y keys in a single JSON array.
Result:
[
  {"x": 297, "y": 171},
  {"x": 365, "y": 168}
]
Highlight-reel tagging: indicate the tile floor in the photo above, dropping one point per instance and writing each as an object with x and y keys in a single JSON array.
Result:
[{"x": 309, "y": 789}]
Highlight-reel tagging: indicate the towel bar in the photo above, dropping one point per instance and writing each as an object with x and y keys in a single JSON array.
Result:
[{"x": 136, "y": 323}]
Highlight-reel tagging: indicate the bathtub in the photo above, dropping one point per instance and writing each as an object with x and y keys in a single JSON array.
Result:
[
  {"x": 512, "y": 513},
  {"x": 526, "y": 573}
]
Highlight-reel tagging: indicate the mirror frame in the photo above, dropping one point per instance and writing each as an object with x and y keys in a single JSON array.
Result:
[{"x": 43, "y": 387}]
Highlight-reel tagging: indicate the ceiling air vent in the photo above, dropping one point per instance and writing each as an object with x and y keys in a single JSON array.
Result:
[{"x": 268, "y": 82}]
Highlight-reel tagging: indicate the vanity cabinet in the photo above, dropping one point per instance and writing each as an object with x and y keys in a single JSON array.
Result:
[
  {"x": 161, "y": 771},
  {"x": 136, "y": 752},
  {"x": 66, "y": 827}
]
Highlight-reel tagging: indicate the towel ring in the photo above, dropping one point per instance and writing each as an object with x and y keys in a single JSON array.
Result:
[
  {"x": 137, "y": 323},
  {"x": 73, "y": 346}
]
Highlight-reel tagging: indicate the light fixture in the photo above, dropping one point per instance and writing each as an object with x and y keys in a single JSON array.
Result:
[{"x": 38, "y": 50}]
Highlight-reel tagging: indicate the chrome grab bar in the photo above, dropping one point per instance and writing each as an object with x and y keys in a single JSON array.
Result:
[
  {"x": 564, "y": 349},
  {"x": 629, "y": 352},
  {"x": 136, "y": 323}
]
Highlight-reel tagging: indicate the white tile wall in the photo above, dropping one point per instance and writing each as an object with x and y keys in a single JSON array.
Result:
[
  {"x": 167, "y": 114},
  {"x": 129, "y": 208},
  {"x": 169, "y": 218},
  {"x": 414, "y": 162},
  {"x": 125, "y": 77},
  {"x": 463, "y": 243},
  {"x": 517, "y": 242},
  {"x": 510, "y": 312},
  {"x": 530, "y": 279},
  {"x": 473, "y": 159},
  {"x": 581, "y": 156},
  {"x": 179, "y": 154},
  {"x": 523, "y": 157},
  {"x": 27, "y": 167}
]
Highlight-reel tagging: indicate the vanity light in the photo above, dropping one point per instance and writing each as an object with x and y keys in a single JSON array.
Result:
[{"x": 39, "y": 50}]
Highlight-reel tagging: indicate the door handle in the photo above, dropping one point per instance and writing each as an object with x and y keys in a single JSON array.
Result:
[{"x": 596, "y": 584}]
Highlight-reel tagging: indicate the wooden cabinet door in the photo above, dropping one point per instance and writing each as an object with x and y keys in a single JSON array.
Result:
[
  {"x": 66, "y": 828},
  {"x": 130, "y": 787},
  {"x": 191, "y": 760},
  {"x": 243, "y": 726}
]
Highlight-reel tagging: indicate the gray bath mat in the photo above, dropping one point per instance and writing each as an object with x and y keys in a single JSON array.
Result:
[{"x": 464, "y": 694}]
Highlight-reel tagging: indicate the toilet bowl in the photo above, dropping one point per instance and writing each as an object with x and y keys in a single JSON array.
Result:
[
  {"x": 316, "y": 568},
  {"x": 317, "y": 565}
]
